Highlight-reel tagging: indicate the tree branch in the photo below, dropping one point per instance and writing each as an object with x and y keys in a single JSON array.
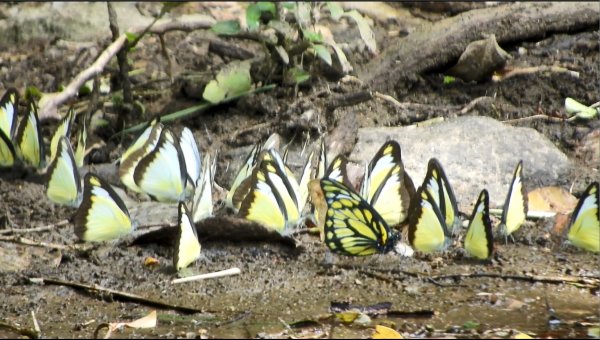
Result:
[{"x": 50, "y": 101}]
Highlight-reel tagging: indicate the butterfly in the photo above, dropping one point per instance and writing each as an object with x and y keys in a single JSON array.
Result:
[
  {"x": 162, "y": 173},
  {"x": 102, "y": 215},
  {"x": 81, "y": 143},
  {"x": 29, "y": 141},
  {"x": 271, "y": 200},
  {"x": 7, "y": 151},
  {"x": 584, "y": 226},
  {"x": 64, "y": 183},
  {"x": 387, "y": 186},
  {"x": 427, "y": 231},
  {"x": 234, "y": 199},
  {"x": 63, "y": 129},
  {"x": 436, "y": 183},
  {"x": 191, "y": 155},
  {"x": 515, "y": 206},
  {"x": 479, "y": 241},
  {"x": 352, "y": 226},
  {"x": 8, "y": 112},
  {"x": 202, "y": 201},
  {"x": 187, "y": 247},
  {"x": 143, "y": 145}
]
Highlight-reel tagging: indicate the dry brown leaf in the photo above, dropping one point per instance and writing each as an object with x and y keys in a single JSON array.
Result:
[
  {"x": 148, "y": 321},
  {"x": 555, "y": 199}
]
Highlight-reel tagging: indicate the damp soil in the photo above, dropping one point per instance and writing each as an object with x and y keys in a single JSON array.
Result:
[{"x": 281, "y": 285}]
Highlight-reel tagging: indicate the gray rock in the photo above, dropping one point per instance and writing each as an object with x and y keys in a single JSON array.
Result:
[{"x": 476, "y": 153}]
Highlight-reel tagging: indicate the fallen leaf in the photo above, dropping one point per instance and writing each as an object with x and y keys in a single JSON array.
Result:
[
  {"x": 555, "y": 199},
  {"x": 382, "y": 332},
  {"x": 151, "y": 262},
  {"x": 148, "y": 321},
  {"x": 520, "y": 335}
]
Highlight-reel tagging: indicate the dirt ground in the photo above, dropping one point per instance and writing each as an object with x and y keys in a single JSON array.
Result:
[{"x": 279, "y": 285}]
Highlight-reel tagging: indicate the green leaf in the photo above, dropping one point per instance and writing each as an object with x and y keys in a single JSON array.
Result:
[
  {"x": 574, "y": 107},
  {"x": 312, "y": 36},
  {"x": 253, "y": 17},
  {"x": 470, "y": 325},
  {"x": 235, "y": 78},
  {"x": 449, "y": 80},
  {"x": 298, "y": 75},
  {"x": 267, "y": 7},
  {"x": 213, "y": 93},
  {"x": 131, "y": 37},
  {"x": 335, "y": 9},
  {"x": 33, "y": 93},
  {"x": 365, "y": 30},
  {"x": 227, "y": 27},
  {"x": 323, "y": 53}
]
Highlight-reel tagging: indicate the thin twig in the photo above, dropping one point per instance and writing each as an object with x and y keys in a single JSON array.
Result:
[
  {"x": 34, "y": 230},
  {"x": 36, "y": 326},
  {"x": 32, "y": 334},
  {"x": 28, "y": 242},
  {"x": 49, "y": 102},
  {"x": 535, "y": 117},
  {"x": 227, "y": 272},
  {"x": 165, "y": 53},
  {"x": 117, "y": 295},
  {"x": 534, "y": 69}
]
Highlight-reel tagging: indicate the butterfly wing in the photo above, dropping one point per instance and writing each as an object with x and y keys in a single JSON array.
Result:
[
  {"x": 64, "y": 183},
  {"x": 187, "y": 247},
  {"x": 29, "y": 142},
  {"x": 352, "y": 226},
  {"x": 191, "y": 155},
  {"x": 8, "y": 112},
  {"x": 162, "y": 173},
  {"x": 63, "y": 129},
  {"x": 337, "y": 170},
  {"x": 479, "y": 241},
  {"x": 427, "y": 231},
  {"x": 387, "y": 186},
  {"x": 143, "y": 145},
  {"x": 102, "y": 215},
  {"x": 81, "y": 143},
  {"x": 244, "y": 173},
  {"x": 584, "y": 230},
  {"x": 7, "y": 151},
  {"x": 303, "y": 185},
  {"x": 269, "y": 201},
  {"x": 439, "y": 188},
  {"x": 515, "y": 206},
  {"x": 203, "y": 204}
]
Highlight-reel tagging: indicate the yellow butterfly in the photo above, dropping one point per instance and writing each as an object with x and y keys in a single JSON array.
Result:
[
  {"x": 352, "y": 226},
  {"x": 387, "y": 186},
  {"x": 162, "y": 174},
  {"x": 102, "y": 215},
  {"x": 271, "y": 200},
  {"x": 427, "y": 231},
  {"x": 81, "y": 143},
  {"x": 29, "y": 141},
  {"x": 187, "y": 247},
  {"x": 584, "y": 227},
  {"x": 202, "y": 201},
  {"x": 143, "y": 145},
  {"x": 234, "y": 198},
  {"x": 441, "y": 192},
  {"x": 8, "y": 112},
  {"x": 63, "y": 129},
  {"x": 7, "y": 151},
  {"x": 64, "y": 183},
  {"x": 337, "y": 170},
  {"x": 479, "y": 241},
  {"x": 515, "y": 206}
]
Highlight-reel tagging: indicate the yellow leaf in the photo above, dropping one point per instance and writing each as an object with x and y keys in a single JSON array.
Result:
[
  {"x": 382, "y": 332},
  {"x": 555, "y": 199},
  {"x": 520, "y": 335},
  {"x": 347, "y": 317}
]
